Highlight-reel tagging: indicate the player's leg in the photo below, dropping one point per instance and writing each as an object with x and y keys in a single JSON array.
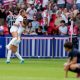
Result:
[
  {"x": 15, "y": 41},
  {"x": 14, "y": 33},
  {"x": 75, "y": 68},
  {"x": 8, "y": 56},
  {"x": 66, "y": 69},
  {"x": 17, "y": 51},
  {"x": 11, "y": 42},
  {"x": 12, "y": 49},
  {"x": 19, "y": 56}
]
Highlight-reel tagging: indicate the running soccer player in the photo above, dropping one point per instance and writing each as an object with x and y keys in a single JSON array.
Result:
[
  {"x": 73, "y": 63},
  {"x": 16, "y": 31}
]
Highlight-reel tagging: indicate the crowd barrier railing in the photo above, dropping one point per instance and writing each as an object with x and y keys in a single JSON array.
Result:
[{"x": 38, "y": 46}]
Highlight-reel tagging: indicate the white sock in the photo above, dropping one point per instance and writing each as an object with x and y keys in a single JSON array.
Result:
[
  {"x": 19, "y": 56},
  {"x": 9, "y": 55}
]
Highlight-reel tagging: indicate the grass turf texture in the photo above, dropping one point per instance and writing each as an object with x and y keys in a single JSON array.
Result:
[{"x": 34, "y": 69}]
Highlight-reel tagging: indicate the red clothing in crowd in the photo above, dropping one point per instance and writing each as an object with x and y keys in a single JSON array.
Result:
[
  {"x": 75, "y": 30},
  {"x": 52, "y": 28},
  {"x": 7, "y": 2}
]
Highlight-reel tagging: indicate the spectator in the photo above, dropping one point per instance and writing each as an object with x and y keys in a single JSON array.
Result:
[
  {"x": 52, "y": 29},
  {"x": 64, "y": 17},
  {"x": 1, "y": 30},
  {"x": 29, "y": 28},
  {"x": 75, "y": 30},
  {"x": 10, "y": 20},
  {"x": 31, "y": 11},
  {"x": 78, "y": 4},
  {"x": 69, "y": 4},
  {"x": 38, "y": 5},
  {"x": 58, "y": 18},
  {"x": 30, "y": 1},
  {"x": 35, "y": 23},
  {"x": 23, "y": 6},
  {"x": 61, "y": 3},
  {"x": 20, "y": 1},
  {"x": 66, "y": 12},
  {"x": 1, "y": 2},
  {"x": 2, "y": 16},
  {"x": 39, "y": 30},
  {"x": 75, "y": 10},
  {"x": 33, "y": 32},
  {"x": 77, "y": 21},
  {"x": 63, "y": 28},
  {"x": 45, "y": 3}
]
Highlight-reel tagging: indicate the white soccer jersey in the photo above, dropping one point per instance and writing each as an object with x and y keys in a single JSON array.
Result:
[{"x": 18, "y": 20}]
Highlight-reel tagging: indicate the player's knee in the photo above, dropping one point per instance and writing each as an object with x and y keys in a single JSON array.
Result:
[
  {"x": 72, "y": 67},
  {"x": 66, "y": 68}
]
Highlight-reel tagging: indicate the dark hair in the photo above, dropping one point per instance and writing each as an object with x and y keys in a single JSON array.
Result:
[
  {"x": 40, "y": 27},
  {"x": 68, "y": 45},
  {"x": 78, "y": 13},
  {"x": 62, "y": 21}
]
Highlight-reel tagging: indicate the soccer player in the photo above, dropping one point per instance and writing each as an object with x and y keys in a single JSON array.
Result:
[
  {"x": 73, "y": 63},
  {"x": 16, "y": 31}
]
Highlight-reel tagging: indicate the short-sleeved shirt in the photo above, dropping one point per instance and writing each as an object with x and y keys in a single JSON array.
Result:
[
  {"x": 63, "y": 29},
  {"x": 31, "y": 13},
  {"x": 19, "y": 19},
  {"x": 74, "y": 53}
]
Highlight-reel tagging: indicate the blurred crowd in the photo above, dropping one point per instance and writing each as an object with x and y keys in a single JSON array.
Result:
[{"x": 45, "y": 17}]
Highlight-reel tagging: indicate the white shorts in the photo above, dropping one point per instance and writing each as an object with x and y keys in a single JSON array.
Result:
[{"x": 13, "y": 29}]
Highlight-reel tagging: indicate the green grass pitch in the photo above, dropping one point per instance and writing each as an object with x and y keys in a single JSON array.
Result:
[{"x": 34, "y": 69}]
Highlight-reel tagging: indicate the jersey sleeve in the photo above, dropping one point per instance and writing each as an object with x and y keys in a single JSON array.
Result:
[{"x": 20, "y": 19}]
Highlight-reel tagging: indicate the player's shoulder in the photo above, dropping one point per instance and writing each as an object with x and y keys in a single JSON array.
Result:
[
  {"x": 20, "y": 17},
  {"x": 76, "y": 51}
]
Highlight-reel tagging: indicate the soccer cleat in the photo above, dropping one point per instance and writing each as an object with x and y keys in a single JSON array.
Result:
[
  {"x": 22, "y": 62},
  {"x": 8, "y": 62}
]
